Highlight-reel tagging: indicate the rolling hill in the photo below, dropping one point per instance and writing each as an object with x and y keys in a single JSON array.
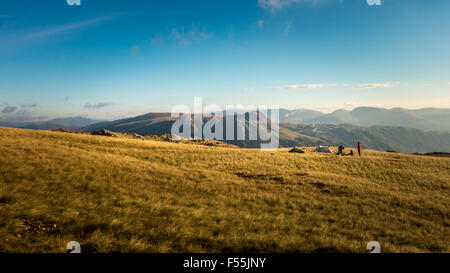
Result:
[
  {"x": 116, "y": 194},
  {"x": 400, "y": 139},
  {"x": 70, "y": 123},
  {"x": 427, "y": 119},
  {"x": 298, "y": 116}
]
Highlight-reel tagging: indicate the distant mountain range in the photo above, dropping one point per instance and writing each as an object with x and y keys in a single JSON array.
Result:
[
  {"x": 401, "y": 130},
  {"x": 71, "y": 123},
  {"x": 427, "y": 119},
  {"x": 384, "y": 138},
  {"x": 394, "y": 138}
]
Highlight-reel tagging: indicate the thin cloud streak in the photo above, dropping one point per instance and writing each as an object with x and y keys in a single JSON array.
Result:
[
  {"x": 97, "y": 105},
  {"x": 195, "y": 34},
  {"x": 307, "y": 86},
  {"x": 29, "y": 105},
  {"x": 279, "y": 4},
  {"x": 287, "y": 29},
  {"x": 9, "y": 109},
  {"x": 31, "y": 35},
  {"x": 157, "y": 40},
  {"x": 374, "y": 85},
  {"x": 135, "y": 49},
  {"x": 260, "y": 23},
  {"x": 325, "y": 85}
]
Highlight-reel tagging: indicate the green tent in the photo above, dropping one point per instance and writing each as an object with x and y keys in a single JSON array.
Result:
[{"x": 297, "y": 150}]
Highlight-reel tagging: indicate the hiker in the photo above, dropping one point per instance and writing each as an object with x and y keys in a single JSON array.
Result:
[
  {"x": 359, "y": 148},
  {"x": 340, "y": 150}
]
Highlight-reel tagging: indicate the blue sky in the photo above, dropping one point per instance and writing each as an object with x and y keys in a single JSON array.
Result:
[{"x": 111, "y": 59}]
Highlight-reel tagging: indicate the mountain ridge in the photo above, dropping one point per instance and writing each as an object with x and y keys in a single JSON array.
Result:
[
  {"x": 70, "y": 123},
  {"x": 397, "y": 138},
  {"x": 427, "y": 119}
]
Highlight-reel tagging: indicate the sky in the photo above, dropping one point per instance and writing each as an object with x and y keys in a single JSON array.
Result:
[{"x": 111, "y": 59}]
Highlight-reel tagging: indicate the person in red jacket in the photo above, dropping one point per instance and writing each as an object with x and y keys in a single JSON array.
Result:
[{"x": 359, "y": 148}]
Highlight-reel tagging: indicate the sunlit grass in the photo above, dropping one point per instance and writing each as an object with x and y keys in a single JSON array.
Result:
[{"x": 132, "y": 195}]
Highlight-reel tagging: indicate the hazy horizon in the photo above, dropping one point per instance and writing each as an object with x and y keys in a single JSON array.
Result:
[{"x": 47, "y": 118}]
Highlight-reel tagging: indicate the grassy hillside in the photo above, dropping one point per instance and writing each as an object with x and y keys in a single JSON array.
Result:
[{"x": 133, "y": 195}]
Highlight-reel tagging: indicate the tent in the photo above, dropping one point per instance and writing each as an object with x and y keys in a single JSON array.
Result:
[
  {"x": 323, "y": 149},
  {"x": 297, "y": 150}
]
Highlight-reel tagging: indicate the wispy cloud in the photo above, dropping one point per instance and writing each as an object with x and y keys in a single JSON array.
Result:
[
  {"x": 97, "y": 105},
  {"x": 28, "y": 105},
  {"x": 135, "y": 49},
  {"x": 287, "y": 28},
  {"x": 195, "y": 34},
  {"x": 349, "y": 104},
  {"x": 29, "y": 35},
  {"x": 307, "y": 86},
  {"x": 9, "y": 109},
  {"x": 20, "y": 114},
  {"x": 279, "y": 4},
  {"x": 260, "y": 23},
  {"x": 157, "y": 40},
  {"x": 374, "y": 85}
]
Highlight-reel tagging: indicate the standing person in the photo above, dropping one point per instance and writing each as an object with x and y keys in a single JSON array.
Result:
[
  {"x": 340, "y": 150},
  {"x": 359, "y": 148}
]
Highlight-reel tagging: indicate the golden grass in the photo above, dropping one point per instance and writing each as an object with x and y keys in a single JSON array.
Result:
[{"x": 131, "y": 195}]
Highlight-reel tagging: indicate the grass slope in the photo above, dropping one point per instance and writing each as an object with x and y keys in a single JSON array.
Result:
[{"x": 131, "y": 195}]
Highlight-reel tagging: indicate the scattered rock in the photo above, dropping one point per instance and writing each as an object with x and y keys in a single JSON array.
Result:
[
  {"x": 137, "y": 135},
  {"x": 36, "y": 226},
  {"x": 104, "y": 133},
  {"x": 62, "y": 130}
]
